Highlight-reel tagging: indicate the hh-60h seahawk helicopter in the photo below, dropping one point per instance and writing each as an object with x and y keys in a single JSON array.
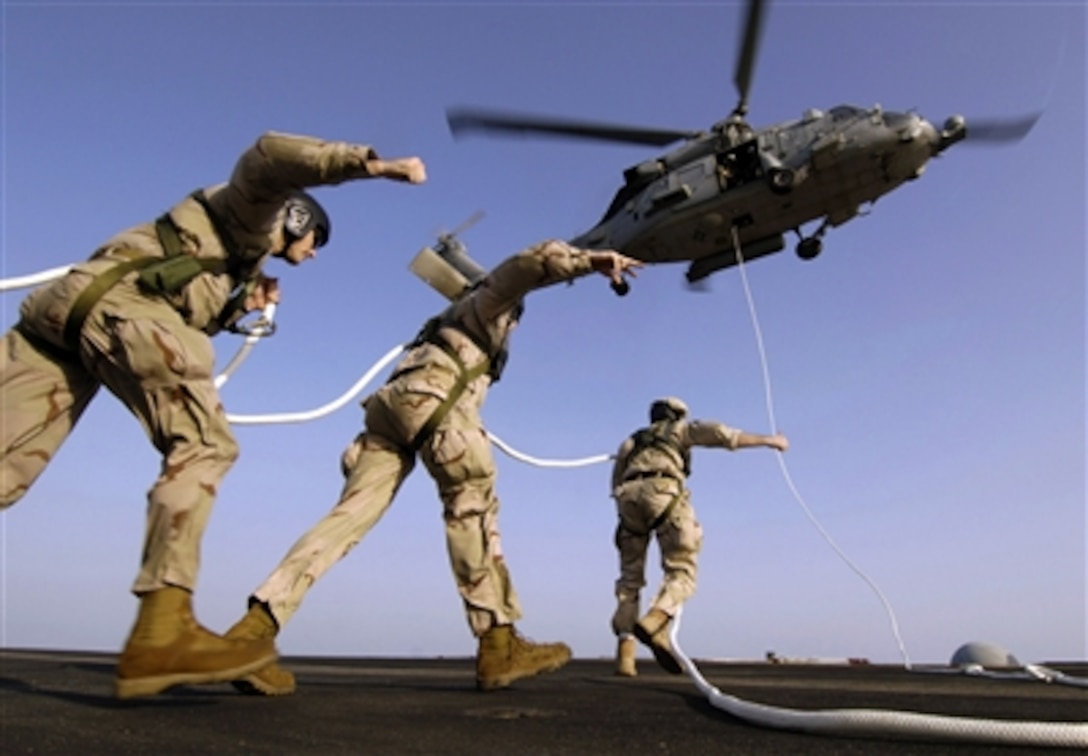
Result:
[{"x": 684, "y": 205}]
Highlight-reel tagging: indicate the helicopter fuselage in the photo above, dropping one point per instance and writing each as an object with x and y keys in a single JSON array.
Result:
[{"x": 684, "y": 205}]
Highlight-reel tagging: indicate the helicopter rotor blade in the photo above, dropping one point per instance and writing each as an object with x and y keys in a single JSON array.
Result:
[
  {"x": 997, "y": 130},
  {"x": 749, "y": 48},
  {"x": 463, "y": 120}
]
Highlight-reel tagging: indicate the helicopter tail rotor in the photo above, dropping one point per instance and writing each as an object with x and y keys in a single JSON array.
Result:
[
  {"x": 1000, "y": 129},
  {"x": 984, "y": 131}
]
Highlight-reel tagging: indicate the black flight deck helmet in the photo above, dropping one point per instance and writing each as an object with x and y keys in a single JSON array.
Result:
[{"x": 301, "y": 215}]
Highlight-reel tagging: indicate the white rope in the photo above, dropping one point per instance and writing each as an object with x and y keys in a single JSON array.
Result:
[
  {"x": 34, "y": 279},
  {"x": 871, "y": 722},
  {"x": 325, "y": 409},
  {"x": 1029, "y": 672},
  {"x": 263, "y": 327},
  {"x": 782, "y": 462},
  {"x": 875, "y": 722},
  {"x": 521, "y": 457},
  {"x": 358, "y": 386}
]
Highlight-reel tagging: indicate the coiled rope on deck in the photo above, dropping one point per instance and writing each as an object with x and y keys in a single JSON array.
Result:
[{"x": 885, "y": 723}]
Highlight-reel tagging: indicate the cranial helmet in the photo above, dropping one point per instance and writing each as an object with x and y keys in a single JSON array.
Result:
[
  {"x": 302, "y": 214},
  {"x": 669, "y": 408}
]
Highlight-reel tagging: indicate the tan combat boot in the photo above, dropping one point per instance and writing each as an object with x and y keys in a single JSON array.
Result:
[
  {"x": 168, "y": 647},
  {"x": 504, "y": 656},
  {"x": 625, "y": 656},
  {"x": 273, "y": 680},
  {"x": 653, "y": 630}
]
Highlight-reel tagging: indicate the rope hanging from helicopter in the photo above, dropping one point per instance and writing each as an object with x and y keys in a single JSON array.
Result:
[
  {"x": 851, "y": 722},
  {"x": 859, "y": 722}
]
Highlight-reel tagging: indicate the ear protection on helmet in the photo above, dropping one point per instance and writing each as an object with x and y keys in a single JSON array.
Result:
[{"x": 302, "y": 214}]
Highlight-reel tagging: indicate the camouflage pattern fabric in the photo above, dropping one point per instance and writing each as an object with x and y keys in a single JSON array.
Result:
[
  {"x": 647, "y": 483},
  {"x": 153, "y": 352},
  {"x": 457, "y": 455}
]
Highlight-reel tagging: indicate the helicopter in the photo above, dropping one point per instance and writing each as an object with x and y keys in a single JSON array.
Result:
[{"x": 737, "y": 185}]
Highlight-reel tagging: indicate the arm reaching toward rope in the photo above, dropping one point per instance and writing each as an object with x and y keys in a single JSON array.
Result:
[{"x": 749, "y": 440}]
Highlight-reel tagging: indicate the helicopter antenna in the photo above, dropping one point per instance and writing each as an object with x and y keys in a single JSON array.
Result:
[{"x": 746, "y": 60}]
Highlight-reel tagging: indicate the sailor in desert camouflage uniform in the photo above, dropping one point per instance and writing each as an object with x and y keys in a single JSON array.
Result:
[
  {"x": 136, "y": 318},
  {"x": 431, "y": 407},
  {"x": 652, "y": 500}
]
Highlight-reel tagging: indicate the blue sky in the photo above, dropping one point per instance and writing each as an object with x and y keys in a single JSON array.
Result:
[{"x": 928, "y": 367}]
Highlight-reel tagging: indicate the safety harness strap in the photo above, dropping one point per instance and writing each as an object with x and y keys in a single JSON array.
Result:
[
  {"x": 221, "y": 231},
  {"x": 647, "y": 437},
  {"x": 657, "y": 521},
  {"x": 169, "y": 238},
  {"x": 161, "y": 275},
  {"x": 465, "y": 376},
  {"x": 660, "y": 519},
  {"x": 87, "y": 298}
]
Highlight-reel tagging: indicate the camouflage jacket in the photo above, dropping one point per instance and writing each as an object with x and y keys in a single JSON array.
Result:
[
  {"x": 250, "y": 206},
  {"x": 477, "y": 326},
  {"x": 669, "y": 455}
]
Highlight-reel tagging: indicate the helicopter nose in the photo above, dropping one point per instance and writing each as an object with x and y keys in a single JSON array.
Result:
[
  {"x": 917, "y": 139},
  {"x": 928, "y": 134},
  {"x": 912, "y": 128}
]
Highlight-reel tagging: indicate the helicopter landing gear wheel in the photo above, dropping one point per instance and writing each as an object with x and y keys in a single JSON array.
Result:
[
  {"x": 809, "y": 247},
  {"x": 781, "y": 180}
]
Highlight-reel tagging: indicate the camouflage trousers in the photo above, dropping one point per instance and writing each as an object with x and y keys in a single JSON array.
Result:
[
  {"x": 458, "y": 458},
  {"x": 679, "y": 539},
  {"x": 161, "y": 369}
]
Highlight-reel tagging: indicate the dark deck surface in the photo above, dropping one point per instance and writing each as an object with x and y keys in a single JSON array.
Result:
[{"x": 62, "y": 703}]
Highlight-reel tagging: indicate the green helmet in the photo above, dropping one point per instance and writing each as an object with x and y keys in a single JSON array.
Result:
[{"x": 668, "y": 408}]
